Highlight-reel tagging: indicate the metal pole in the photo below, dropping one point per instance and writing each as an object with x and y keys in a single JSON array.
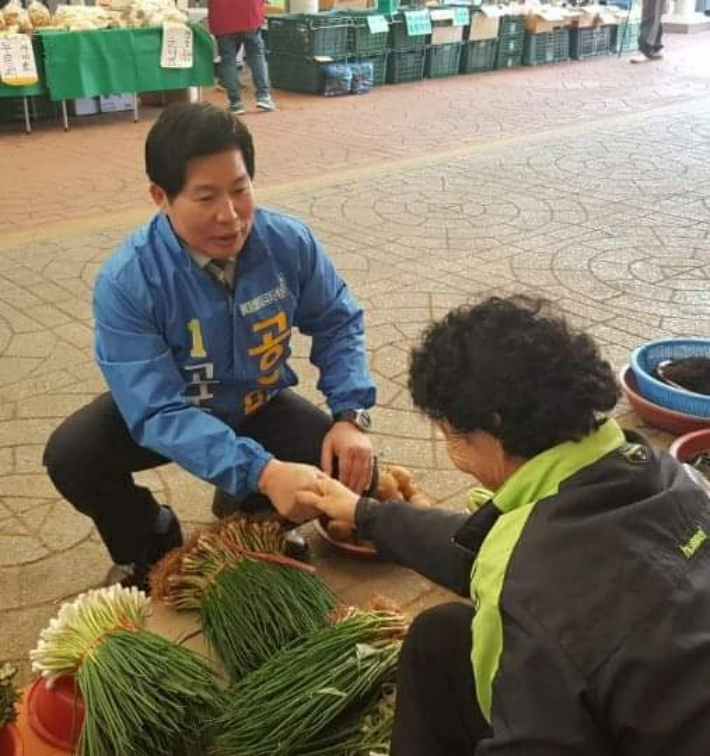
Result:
[
  {"x": 65, "y": 117},
  {"x": 626, "y": 27},
  {"x": 28, "y": 124},
  {"x": 135, "y": 107}
]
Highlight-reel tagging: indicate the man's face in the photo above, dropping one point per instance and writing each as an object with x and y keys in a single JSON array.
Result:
[{"x": 214, "y": 211}]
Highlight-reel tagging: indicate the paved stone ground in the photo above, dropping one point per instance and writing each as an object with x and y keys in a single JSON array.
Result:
[{"x": 607, "y": 215}]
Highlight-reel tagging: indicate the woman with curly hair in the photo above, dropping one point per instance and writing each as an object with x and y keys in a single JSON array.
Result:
[{"x": 588, "y": 567}]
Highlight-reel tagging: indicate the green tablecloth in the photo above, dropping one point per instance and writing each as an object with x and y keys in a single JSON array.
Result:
[
  {"x": 91, "y": 63},
  {"x": 34, "y": 89}
]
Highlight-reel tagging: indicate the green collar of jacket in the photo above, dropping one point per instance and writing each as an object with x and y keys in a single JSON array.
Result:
[{"x": 541, "y": 475}]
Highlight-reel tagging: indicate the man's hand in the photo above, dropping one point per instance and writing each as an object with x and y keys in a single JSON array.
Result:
[
  {"x": 353, "y": 450},
  {"x": 281, "y": 480},
  {"x": 332, "y": 498}
]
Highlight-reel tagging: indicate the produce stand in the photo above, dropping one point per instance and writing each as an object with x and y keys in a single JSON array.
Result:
[{"x": 94, "y": 63}]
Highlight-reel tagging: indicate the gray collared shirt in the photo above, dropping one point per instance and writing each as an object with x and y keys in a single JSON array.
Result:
[{"x": 223, "y": 275}]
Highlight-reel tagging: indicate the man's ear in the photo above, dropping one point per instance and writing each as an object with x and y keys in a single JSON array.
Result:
[{"x": 159, "y": 196}]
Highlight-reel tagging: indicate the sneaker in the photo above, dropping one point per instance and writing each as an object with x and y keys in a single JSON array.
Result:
[
  {"x": 646, "y": 57},
  {"x": 265, "y": 103},
  {"x": 137, "y": 574},
  {"x": 237, "y": 108}
]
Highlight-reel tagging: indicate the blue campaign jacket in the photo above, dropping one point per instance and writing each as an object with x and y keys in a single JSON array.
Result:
[{"x": 185, "y": 359}]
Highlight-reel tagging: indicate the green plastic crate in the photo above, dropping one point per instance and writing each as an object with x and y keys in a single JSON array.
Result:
[
  {"x": 628, "y": 34},
  {"x": 361, "y": 41},
  {"x": 399, "y": 38},
  {"x": 379, "y": 65},
  {"x": 590, "y": 42},
  {"x": 510, "y": 44},
  {"x": 513, "y": 60},
  {"x": 406, "y": 65},
  {"x": 442, "y": 60},
  {"x": 387, "y": 6},
  {"x": 512, "y": 25},
  {"x": 478, "y": 56},
  {"x": 549, "y": 47},
  {"x": 309, "y": 35},
  {"x": 294, "y": 73}
]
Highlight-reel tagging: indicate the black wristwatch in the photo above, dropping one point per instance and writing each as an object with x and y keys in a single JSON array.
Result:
[{"x": 360, "y": 418}]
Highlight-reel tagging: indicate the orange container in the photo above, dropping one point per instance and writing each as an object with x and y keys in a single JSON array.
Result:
[
  {"x": 10, "y": 741},
  {"x": 56, "y": 714}
]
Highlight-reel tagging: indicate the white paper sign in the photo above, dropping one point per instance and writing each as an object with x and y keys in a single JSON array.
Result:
[
  {"x": 177, "y": 46},
  {"x": 18, "y": 67},
  {"x": 378, "y": 24}
]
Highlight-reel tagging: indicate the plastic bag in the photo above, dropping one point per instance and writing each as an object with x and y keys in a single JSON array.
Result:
[
  {"x": 363, "y": 77},
  {"x": 39, "y": 15},
  {"x": 338, "y": 79}
]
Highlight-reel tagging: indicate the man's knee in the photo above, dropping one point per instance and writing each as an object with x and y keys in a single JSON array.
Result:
[{"x": 431, "y": 633}]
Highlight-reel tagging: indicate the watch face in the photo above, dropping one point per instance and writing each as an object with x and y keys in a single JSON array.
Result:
[{"x": 363, "y": 419}]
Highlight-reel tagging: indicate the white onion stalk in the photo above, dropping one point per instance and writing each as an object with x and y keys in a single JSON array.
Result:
[{"x": 80, "y": 625}]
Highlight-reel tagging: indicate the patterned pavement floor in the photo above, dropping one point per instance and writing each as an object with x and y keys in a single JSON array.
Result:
[{"x": 607, "y": 217}]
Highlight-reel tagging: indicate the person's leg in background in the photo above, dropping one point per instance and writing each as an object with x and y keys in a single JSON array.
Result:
[
  {"x": 228, "y": 46},
  {"x": 651, "y": 31},
  {"x": 256, "y": 60},
  {"x": 436, "y": 711},
  {"x": 90, "y": 459}
]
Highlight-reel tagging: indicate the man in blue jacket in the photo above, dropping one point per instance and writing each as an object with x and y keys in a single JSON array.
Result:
[{"x": 193, "y": 322}]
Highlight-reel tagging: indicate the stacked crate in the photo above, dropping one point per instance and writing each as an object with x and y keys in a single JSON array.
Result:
[
  {"x": 590, "y": 42},
  {"x": 625, "y": 37},
  {"x": 444, "y": 52},
  {"x": 407, "y": 49},
  {"x": 511, "y": 40},
  {"x": 297, "y": 42},
  {"x": 366, "y": 46}
]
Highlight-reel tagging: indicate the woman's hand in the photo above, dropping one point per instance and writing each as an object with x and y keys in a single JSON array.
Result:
[{"x": 332, "y": 499}]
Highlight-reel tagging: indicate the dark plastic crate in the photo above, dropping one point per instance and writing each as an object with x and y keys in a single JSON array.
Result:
[
  {"x": 399, "y": 38},
  {"x": 379, "y": 64},
  {"x": 510, "y": 44},
  {"x": 590, "y": 42},
  {"x": 405, "y": 65},
  {"x": 511, "y": 25},
  {"x": 309, "y": 35},
  {"x": 626, "y": 37},
  {"x": 442, "y": 60},
  {"x": 506, "y": 60},
  {"x": 295, "y": 73},
  {"x": 549, "y": 47},
  {"x": 478, "y": 56},
  {"x": 361, "y": 41}
]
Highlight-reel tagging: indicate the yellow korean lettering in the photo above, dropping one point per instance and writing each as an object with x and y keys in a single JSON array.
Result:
[
  {"x": 198, "y": 347},
  {"x": 253, "y": 400}
]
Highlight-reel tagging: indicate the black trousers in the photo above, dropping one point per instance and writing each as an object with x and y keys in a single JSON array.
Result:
[
  {"x": 437, "y": 713},
  {"x": 91, "y": 458}
]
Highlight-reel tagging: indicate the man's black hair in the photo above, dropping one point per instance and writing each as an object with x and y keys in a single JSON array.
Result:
[
  {"x": 187, "y": 131},
  {"x": 512, "y": 368}
]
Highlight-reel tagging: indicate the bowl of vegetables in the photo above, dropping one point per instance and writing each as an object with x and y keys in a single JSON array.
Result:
[
  {"x": 669, "y": 420},
  {"x": 56, "y": 713},
  {"x": 694, "y": 449}
]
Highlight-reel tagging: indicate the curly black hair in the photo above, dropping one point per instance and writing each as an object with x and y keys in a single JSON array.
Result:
[{"x": 510, "y": 367}]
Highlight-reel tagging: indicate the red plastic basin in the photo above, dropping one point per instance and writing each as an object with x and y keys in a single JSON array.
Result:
[
  {"x": 56, "y": 714},
  {"x": 10, "y": 741},
  {"x": 689, "y": 446},
  {"x": 674, "y": 422}
]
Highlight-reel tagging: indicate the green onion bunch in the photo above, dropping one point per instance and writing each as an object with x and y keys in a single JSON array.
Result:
[
  {"x": 253, "y": 600},
  {"x": 8, "y": 694},
  {"x": 362, "y": 732},
  {"x": 297, "y": 697},
  {"x": 143, "y": 695}
]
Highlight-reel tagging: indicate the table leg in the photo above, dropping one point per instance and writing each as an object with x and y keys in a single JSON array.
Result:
[
  {"x": 65, "y": 117},
  {"x": 28, "y": 124}
]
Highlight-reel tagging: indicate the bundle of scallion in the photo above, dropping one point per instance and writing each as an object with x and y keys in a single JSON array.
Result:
[
  {"x": 362, "y": 732},
  {"x": 143, "y": 695},
  {"x": 295, "y": 700},
  {"x": 253, "y": 600}
]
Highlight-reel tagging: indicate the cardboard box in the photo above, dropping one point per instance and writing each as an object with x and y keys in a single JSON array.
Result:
[
  {"x": 485, "y": 23},
  {"x": 443, "y": 29},
  {"x": 326, "y": 5},
  {"x": 83, "y": 106},
  {"x": 545, "y": 20},
  {"x": 116, "y": 103},
  {"x": 591, "y": 15}
]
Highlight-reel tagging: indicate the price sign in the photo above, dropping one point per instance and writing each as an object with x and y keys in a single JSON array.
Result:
[
  {"x": 418, "y": 23},
  {"x": 177, "y": 46},
  {"x": 18, "y": 67},
  {"x": 378, "y": 24}
]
